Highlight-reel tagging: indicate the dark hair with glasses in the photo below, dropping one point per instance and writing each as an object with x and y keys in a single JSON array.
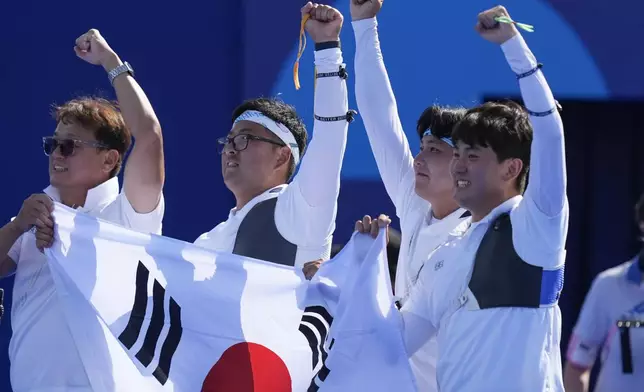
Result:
[
  {"x": 280, "y": 112},
  {"x": 240, "y": 142},
  {"x": 98, "y": 115}
]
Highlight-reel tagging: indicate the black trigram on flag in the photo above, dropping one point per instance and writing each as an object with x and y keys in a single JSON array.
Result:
[
  {"x": 315, "y": 325},
  {"x": 132, "y": 331}
]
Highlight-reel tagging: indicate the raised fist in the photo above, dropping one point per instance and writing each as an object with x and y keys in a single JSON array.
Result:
[
  {"x": 324, "y": 23},
  {"x": 492, "y": 30},
  {"x": 365, "y": 9},
  {"x": 93, "y": 48}
]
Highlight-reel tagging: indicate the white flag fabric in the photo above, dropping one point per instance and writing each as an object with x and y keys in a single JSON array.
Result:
[
  {"x": 150, "y": 313},
  {"x": 364, "y": 350}
]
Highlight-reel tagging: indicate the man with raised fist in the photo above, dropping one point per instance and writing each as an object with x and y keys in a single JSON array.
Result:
[
  {"x": 420, "y": 186},
  {"x": 86, "y": 153},
  {"x": 491, "y": 292},
  {"x": 274, "y": 220}
]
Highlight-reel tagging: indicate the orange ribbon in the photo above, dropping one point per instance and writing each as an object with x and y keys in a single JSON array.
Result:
[{"x": 300, "y": 52}]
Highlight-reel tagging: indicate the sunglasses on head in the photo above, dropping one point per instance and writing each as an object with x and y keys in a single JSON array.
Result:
[{"x": 67, "y": 146}]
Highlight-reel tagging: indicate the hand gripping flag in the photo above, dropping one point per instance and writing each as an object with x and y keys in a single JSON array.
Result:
[
  {"x": 362, "y": 348},
  {"x": 150, "y": 313}
]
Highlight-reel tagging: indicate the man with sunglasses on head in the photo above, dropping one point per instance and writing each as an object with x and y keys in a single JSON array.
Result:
[
  {"x": 85, "y": 155},
  {"x": 289, "y": 224}
]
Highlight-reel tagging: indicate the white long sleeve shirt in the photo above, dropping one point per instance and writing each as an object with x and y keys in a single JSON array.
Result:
[
  {"x": 501, "y": 349},
  {"x": 307, "y": 207},
  {"x": 421, "y": 232}
]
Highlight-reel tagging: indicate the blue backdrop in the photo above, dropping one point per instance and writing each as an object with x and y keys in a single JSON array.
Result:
[{"x": 197, "y": 60}]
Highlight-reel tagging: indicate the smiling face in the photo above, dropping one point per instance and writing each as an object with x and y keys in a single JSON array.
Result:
[
  {"x": 480, "y": 181},
  {"x": 492, "y": 157},
  {"x": 260, "y": 165},
  {"x": 83, "y": 165},
  {"x": 431, "y": 166}
]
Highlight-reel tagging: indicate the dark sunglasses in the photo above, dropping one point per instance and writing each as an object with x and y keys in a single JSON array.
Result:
[
  {"x": 67, "y": 146},
  {"x": 240, "y": 142}
]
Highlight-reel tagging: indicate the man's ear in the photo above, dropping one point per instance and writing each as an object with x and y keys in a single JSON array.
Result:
[
  {"x": 284, "y": 157},
  {"x": 111, "y": 160},
  {"x": 512, "y": 168}
]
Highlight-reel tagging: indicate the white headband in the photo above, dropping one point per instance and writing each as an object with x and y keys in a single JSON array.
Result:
[
  {"x": 447, "y": 140},
  {"x": 278, "y": 129}
]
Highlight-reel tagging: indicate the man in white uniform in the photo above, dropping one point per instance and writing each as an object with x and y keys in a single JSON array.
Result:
[
  {"x": 289, "y": 224},
  {"x": 85, "y": 156},
  {"x": 611, "y": 320},
  {"x": 420, "y": 187},
  {"x": 491, "y": 296}
]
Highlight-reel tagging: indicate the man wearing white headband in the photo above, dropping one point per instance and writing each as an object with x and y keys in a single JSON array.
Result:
[
  {"x": 420, "y": 187},
  {"x": 289, "y": 224}
]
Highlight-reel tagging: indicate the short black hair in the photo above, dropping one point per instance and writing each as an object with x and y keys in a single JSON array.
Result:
[
  {"x": 504, "y": 127},
  {"x": 440, "y": 119},
  {"x": 639, "y": 210},
  {"x": 278, "y": 111}
]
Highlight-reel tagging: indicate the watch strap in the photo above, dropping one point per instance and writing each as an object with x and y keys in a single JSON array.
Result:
[{"x": 121, "y": 69}]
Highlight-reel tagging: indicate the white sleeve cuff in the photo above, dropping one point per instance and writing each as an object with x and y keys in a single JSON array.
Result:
[
  {"x": 150, "y": 222},
  {"x": 306, "y": 254},
  {"x": 360, "y": 26},
  {"x": 518, "y": 54},
  {"x": 581, "y": 354},
  {"x": 328, "y": 58}
]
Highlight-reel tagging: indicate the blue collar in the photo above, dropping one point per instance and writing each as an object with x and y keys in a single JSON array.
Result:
[{"x": 633, "y": 274}]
